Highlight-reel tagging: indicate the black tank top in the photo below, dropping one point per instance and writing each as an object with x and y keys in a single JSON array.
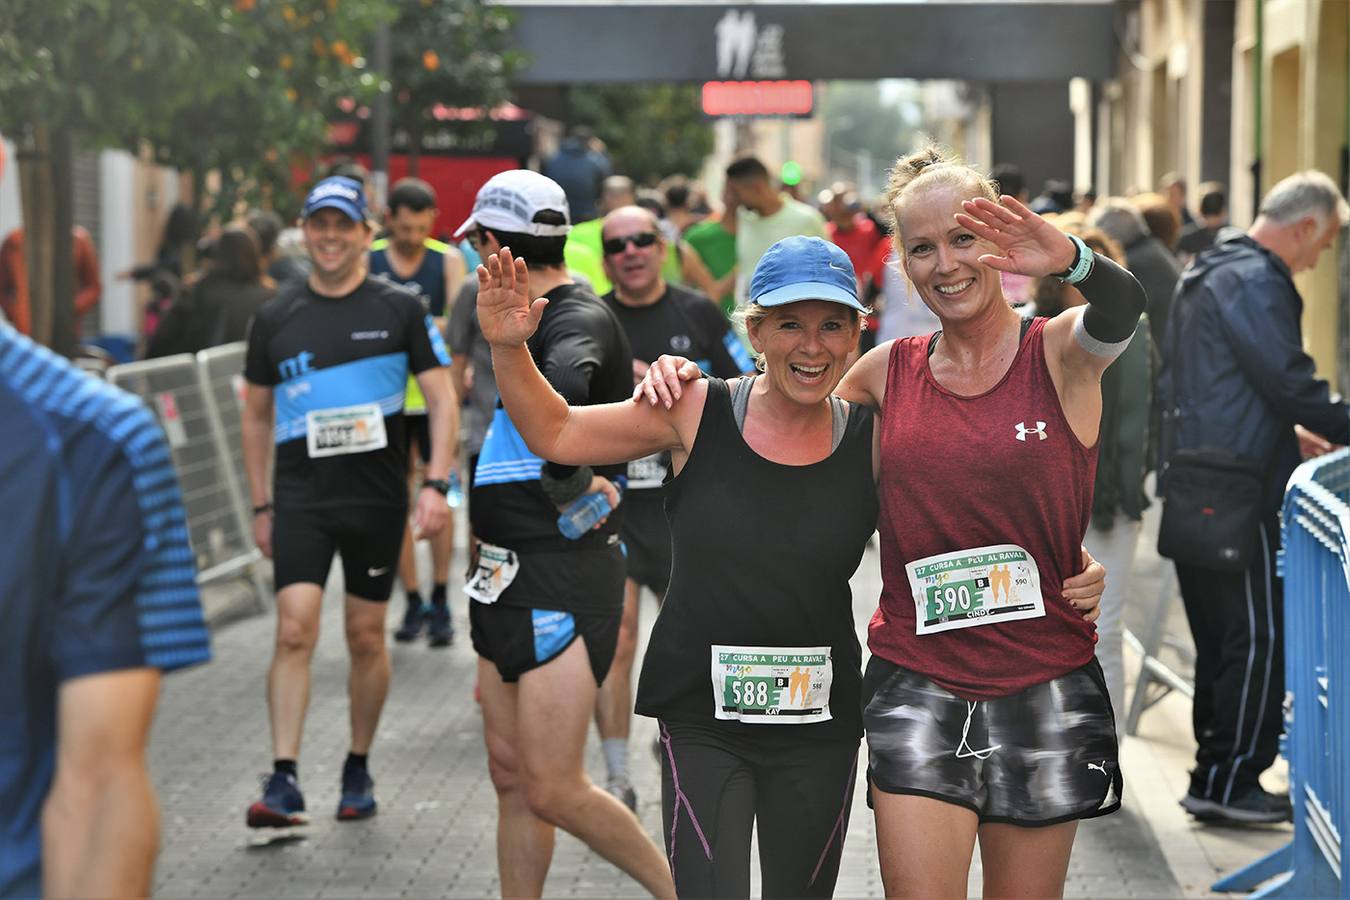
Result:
[{"x": 762, "y": 555}]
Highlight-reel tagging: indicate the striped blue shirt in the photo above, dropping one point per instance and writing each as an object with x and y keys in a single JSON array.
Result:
[{"x": 96, "y": 574}]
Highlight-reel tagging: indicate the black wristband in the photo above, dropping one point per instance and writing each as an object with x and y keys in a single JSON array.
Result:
[
  {"x": 265, "y": 508},
  {"x": 439, "y": 485},
  {"x": 562, "y": 491}
]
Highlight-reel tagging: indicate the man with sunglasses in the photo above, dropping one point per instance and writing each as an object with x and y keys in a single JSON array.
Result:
[
  {"x": 658, "y": 318},
  {"x": 545, "y": 613}
]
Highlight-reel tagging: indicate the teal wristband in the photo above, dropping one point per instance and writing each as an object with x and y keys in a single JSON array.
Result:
[{"x": 1082, "y": 263}]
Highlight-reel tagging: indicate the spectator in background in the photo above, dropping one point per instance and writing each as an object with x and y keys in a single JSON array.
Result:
[
  {"x": 216, "y": 308},
  {"x": 180, "y": 234},
  {"x": 1084, "y": 199},
  {"x": 282, "y": 268},
  {"x": 714, "y": 240},
  {"x": 1145, "y": 256},
  {"x": 1016, "y": 288},
  {"x": 1011, "y": 181},
  {"x": 686, "y": 203},
  {"x": 582, "y": 250},
  {"x": 581, "y": 170},
  {"x": 1161, "y": 218},
  {"x": 1198, "y": 237},
  {"x": 764, "y": 216},
  {"x": 1235, "y": 376},
  {"x": 1118, "y": 499},
  {"x": 98, "y": 595},
  {"x": 1173, "y": 187},
  {"x": 1055, "y": 197},
  {"x": 15, "y": 301},
  {"x": 852, "y": 231}
]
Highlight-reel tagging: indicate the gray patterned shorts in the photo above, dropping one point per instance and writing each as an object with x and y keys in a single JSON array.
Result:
[{"x": 1039, "y": 757}]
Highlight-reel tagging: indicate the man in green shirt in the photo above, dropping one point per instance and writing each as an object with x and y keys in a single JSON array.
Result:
[
  {"x": 582, "y": 251},
  {"x": 766, "y": 216}
]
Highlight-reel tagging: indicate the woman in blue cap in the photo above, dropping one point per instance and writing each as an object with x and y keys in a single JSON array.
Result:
[
  {"x": 987, "y": 716},
  {"x": 753, "y": 669}
]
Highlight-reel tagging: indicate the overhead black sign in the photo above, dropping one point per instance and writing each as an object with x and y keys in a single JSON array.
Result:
[{"x": 629, "y": 41}]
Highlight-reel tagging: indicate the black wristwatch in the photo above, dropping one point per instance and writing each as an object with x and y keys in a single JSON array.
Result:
[
  {"x": 259, "y": 510},
  {"x": 439, "y": 485}
]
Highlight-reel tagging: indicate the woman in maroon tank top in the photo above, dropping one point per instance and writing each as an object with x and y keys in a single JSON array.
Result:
[{"x": 986, "y": 713}]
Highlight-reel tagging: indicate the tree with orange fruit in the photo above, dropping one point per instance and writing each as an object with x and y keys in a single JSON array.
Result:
[
  {"x": 239, "y": 87},
  {"x": 454, "y": 53}
]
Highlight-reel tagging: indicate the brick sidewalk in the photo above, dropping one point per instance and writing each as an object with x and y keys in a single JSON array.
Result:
[{"x": 434, "y": 835}]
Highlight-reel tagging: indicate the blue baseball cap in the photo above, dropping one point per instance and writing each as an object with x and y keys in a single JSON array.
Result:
[
  {"x": 340, "y": 193},
  {"x": 804, "y": 268}
]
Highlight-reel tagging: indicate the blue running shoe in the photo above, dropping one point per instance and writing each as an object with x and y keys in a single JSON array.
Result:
[
  {"x": 358, "y": 795},
  {"x": 442, "y": 630},
  {"x": 414, "y": 620},
  {"x": 282, "y": 805}
]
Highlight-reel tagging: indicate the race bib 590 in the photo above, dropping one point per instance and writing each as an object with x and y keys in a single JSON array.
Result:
[{"x": 999, "y": 583}]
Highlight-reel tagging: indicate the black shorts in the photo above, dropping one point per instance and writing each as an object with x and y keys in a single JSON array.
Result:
[
  {"x": 717, "y": 783},
  {"x": 516, "y": 639},
  {"x": 646, "y": 536},
  {"x": 554, "y": 599},
  {"x": 1039, "y": 757},
  {"x": 419, "y": 435},
  {"x": 369, "y": 539}
]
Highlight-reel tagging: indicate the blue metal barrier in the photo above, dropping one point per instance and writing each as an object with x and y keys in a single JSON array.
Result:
[{"x": 1315, "y": 563}]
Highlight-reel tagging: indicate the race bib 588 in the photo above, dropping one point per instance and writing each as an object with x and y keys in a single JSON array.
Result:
[{"x": 772, "y": 685}]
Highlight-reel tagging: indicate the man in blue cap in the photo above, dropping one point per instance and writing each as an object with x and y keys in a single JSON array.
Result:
[{"x": 326, "y": 371}]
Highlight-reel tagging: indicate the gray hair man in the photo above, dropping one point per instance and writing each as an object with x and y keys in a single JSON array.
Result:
[
  {"x": 1235, "y": 376},
  {"x": 1147, "y": 258}
]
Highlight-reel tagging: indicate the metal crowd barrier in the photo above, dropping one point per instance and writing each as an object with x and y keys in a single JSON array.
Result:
[
  {"x": 1156, "y": 679},
  {"x": 1315, "y": 564},
  {"x": 197, "y": 400}
]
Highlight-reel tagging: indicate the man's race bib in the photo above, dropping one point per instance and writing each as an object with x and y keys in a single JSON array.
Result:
[
  {"x": 975, "y": 587},
  {"x": 647, "y": 473},
  {"x": 772, "y": 685},
  {"x": 346, "y": 429},
  {"x": 493, "y": 571}
]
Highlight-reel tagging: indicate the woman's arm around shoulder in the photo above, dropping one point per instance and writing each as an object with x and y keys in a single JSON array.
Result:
[{"x": 865, "y": 382}]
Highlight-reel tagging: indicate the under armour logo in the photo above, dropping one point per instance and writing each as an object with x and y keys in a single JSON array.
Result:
[
  {"x": 1023, "y": 430},
  {"x": 1101, "y": 768}
]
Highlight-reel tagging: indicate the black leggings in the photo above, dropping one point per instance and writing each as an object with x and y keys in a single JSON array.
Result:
[{"x": 717, "y": 783}]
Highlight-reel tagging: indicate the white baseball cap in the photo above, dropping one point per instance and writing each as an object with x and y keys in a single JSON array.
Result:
[{"x": 511, "y": 200}]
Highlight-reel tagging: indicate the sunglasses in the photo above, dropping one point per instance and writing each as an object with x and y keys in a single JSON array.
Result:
[{"x": 640, "y": 240}]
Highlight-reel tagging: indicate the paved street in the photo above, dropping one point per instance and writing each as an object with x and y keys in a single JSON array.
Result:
[{"x": 434, "y": 835}]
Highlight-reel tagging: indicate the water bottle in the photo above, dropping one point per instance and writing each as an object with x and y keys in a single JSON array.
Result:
[
  {"x": 455, "y": 496},
  {"x": 583, "y": 513}
]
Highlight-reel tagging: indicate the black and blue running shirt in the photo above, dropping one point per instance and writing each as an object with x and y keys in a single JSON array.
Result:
[
  {"x": 428, "y": 282},
  {"x": 582, "y": 351},
  {"x": 321, "y": 354},
  {"x": 683, "y": 323}
]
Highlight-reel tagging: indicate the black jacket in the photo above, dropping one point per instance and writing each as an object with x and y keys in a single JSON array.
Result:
[
  {"x": 1234, "y": 374},
  {"x": 209, "y": 312}
]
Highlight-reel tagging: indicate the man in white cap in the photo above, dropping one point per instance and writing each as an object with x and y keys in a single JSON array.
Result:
[{"x": 546, "y": 611}]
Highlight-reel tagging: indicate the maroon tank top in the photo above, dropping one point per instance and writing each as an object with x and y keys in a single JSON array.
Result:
[{"x": 962, "y": 473}]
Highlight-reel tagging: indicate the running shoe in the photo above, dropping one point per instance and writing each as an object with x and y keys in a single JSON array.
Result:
[
  {"x": 1256, "y": 806},
  {"x": 621, "y": 790},
  {"x": 414, "y": 620},
  {"x": 358, "y": 795},
  {"x": 441, "y": 631},
  {"x": 282, "y": 805}
]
